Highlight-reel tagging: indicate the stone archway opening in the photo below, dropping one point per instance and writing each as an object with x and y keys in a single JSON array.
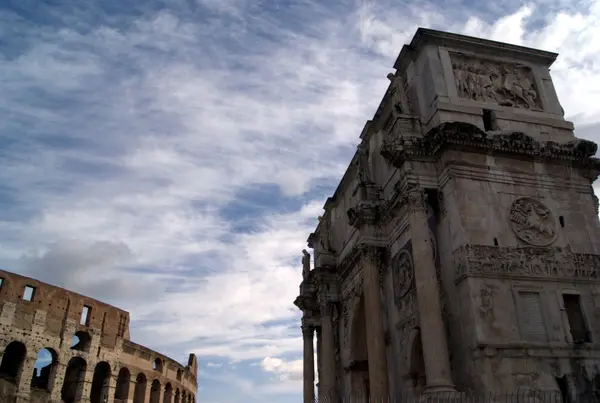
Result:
[
  {"x": 417, "y": 363},
  {"x": 139, "y": 394},
  {"x": 44, "y": 369},
  {"x": 122, "y": 388},
  {"x": 100, "y": 383},
  {"x": 168, "y": 396},
  {"x": 12, "y": 361},
  {"x": 72, "y": 388},
  {"x": 359, "y": 361},
  {"x": 155, "y": 391},
  {"x": 82, "y": 341}
]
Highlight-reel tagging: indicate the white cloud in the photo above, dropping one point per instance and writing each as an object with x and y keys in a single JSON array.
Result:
[{"x": 160, "y": 124}]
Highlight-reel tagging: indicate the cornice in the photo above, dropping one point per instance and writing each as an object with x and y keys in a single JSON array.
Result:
[{"x": 462, "y": 136}]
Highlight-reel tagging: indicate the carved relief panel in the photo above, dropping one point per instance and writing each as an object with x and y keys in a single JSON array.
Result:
[
  {"x": 532, "y": 221},
  {"x": 506, "y": 84}
]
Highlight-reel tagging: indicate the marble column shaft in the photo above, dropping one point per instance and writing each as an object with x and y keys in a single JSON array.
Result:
[
  {"x": 376, "y": 349},
  {"x": 309, "y": 364},
  {"x": 327, "y": 381},
  {"x": 433, "y": 332}
]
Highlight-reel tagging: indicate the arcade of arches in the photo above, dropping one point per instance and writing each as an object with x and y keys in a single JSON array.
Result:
[{"x": 78, "y": 381}]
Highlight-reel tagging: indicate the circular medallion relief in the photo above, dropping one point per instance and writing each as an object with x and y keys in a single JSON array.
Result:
[
  {"x": 403, "y": 273},
  {"x": 532, "y": 221}
]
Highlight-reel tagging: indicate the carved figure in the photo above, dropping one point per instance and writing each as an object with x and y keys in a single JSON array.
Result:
[
  {"x": 486, "y": 308},
  {"x": 324, "y": 234},
  {"x": 532, "y": 221},
  {"x": 396, "y": 92},
  {"x": 364, "y": 173},
  {"x": 487, "y": 81},
  {"x": 305, "y": 263},
  {"x": 402, "y": 274}
]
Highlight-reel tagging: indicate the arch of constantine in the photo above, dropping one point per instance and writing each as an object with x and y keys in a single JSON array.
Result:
[
  {"x": 460, "y": 251},
  {"x": 61, "y": 347}
]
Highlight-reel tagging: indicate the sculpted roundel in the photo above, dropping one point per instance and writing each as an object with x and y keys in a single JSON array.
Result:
[
  {"x": 403, "y": 273},
  {"x": 532, "y": 221}
]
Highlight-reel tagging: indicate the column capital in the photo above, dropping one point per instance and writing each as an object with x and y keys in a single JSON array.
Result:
[{"x": 308, "y": 330}]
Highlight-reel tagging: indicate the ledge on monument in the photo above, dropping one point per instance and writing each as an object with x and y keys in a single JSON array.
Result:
[{"x": 425, "y": 36}]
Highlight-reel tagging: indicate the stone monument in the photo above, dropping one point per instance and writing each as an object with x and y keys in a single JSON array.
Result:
[{"x": 462, "y": 244}]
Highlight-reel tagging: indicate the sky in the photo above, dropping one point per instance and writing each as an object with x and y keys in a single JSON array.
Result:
[{"x": 170, "y": 157}]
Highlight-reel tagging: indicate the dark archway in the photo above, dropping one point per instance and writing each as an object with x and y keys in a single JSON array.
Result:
[
  {"x": 81, "y": 341},
  {"x": 44, "y": 369},
  {"x": 72, "y": 388},
  {"x": 158, "y": 365},
  {"x": 417, "y": 363},
  {"x": 359, "y": 361},
  {"x": 100, "y": 383},
  {"x": 12, "y": 361},
  {"x": 168, "y": 396},
  {"x": 139, "y": 394},
  {"x": 179, "y": 374},
  {"x": 122, "y": 388},
  {"x": 155, "y": 390},
  {"x": 177, "y": 396}
]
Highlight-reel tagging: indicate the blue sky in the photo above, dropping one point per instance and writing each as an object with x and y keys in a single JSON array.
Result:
[{"x": 171, "y": 157}]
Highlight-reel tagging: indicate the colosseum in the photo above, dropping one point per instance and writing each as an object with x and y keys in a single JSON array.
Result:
[{"x": 60, "y": 346}]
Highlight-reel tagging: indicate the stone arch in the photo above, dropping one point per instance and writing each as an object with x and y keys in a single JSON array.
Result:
[
  {"x": 44, "y": 369},
  {"x": 168, "y": 396},
  {"x": 122, "y": 388},
  {"x": 139, "y": 394},
  {"x": 13, "y": 361},
  {"x": 100, "y": 383},
  {"x": 179, "y": 372},
  {"x": 177, "y": 396},
  {"x": 158, "y": 364},
  {"x": 82, "y": 341},
  {"x": 155, "y": 391},
  {"x": 72, "y": 388},
  {"x": 359, "y": 362},
  {"x": 416, "y": 361},
  {"x": 183, "y": 396}
]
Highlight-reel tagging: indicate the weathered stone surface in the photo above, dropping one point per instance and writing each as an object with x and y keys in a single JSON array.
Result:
[
  {"x": 472, "y": 196},
  {"x": 103, "y": 364}
]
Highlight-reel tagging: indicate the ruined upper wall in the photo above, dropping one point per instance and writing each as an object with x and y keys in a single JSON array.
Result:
[{"x": 61, "y": 305}]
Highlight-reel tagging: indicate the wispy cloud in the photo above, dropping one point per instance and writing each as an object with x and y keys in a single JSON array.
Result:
[{"x": 182, "y": 152}]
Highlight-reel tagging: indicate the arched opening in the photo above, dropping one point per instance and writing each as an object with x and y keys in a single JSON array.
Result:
[
  {"x": 44, "y": 369},
  {"x": 81, "y": 341},
  {"x": 100, "y": 383},
  {"x": 179, "y": 372},
  {"x": 72, "y": 388},
  {"x": 155, "y": 391},
  {"x": 12, "y": 361},
  {"x": 158, "y": 365},
  {"x": 359, "y": 361},
  {"x": 417, "y": 363},
  {"x": 168, "y": 397},
  {"x": 183, "y": 397},
  {"x": 177, "y": 396},
  {"x": 122, "y": 388},
  {"x": 139, "y": 394}
]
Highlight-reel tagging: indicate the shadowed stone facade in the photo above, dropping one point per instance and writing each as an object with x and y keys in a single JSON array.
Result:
[
  {"x": 461, "y": 249},
  {"x": 89, "y": 357}
]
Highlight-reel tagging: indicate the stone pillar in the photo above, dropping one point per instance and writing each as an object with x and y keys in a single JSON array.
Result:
[
  {"x": 433, "y": 332},
  {"x": 327, "y": 381},
  {"x": 86, "y": 387},
  {"x": 376, "y": 351},
  {"x": 56, "y": 382},
  {"x": 131, "y": 392},
  {"x": 24, "y": 379},
  {"x": 148, "y": 391},
  {"x": 309, "y": 363},
  {"x": 112, "y": 386}
]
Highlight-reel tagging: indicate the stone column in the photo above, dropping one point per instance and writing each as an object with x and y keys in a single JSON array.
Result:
[
  {"x": 148, "y": 391},
  {"x": 86, "y": 387},
  {"x": 56, "y": 382},
  {"x": 327, "y": 381},
  {"x": 131, "y": 391},
  {"x": 309, "y": 363},
  {"x": 24, "y": 378},
  {"x": 111, "y": 388},
  {"x": 376, "y": 351},
  {"x": 433, "y": 332}
]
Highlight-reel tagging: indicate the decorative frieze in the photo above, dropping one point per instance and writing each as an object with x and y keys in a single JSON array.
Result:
[
  {"x": 526, "y": 262},
  {"x": 505, "y": 84}
]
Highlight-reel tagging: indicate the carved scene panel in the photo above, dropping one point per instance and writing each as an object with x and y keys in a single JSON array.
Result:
[{"x": 503, "y": 83}]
